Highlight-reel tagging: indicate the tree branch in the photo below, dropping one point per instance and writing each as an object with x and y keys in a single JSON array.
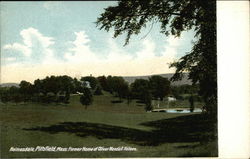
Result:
[{"x": 143, "y": 14}]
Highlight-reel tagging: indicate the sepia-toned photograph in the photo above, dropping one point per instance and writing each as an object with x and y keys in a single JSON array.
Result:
[{"x": 105, "y": 79}]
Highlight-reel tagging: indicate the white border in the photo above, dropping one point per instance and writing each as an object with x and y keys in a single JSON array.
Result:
[{"x": 233, "y": 78}]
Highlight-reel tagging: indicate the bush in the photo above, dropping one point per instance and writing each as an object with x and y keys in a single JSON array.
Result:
[
  {"x": 87, "y": 98},
  {"x": 191, "y": 101},
  {"x": 148, "y": 107},
  {"x": 98, "y": 90},
  {"x": 66, "y": 98},
  {"x": 5, "y": 97},
  {"x": 147, "y": 101}
]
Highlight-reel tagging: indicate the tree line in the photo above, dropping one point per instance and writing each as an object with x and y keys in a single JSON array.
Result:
[
  {"x": 50, "y": 89},
  {"x": 58, "y": 89}
]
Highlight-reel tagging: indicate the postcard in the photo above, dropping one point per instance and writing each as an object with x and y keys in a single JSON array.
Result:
[{"x": 108, "y": 79}]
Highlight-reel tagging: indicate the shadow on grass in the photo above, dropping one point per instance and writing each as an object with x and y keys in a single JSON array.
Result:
[
  {"x": 140, "y": 102},
  {"x": 190, "y": 128},
  {"x": 116, "y": 101}
]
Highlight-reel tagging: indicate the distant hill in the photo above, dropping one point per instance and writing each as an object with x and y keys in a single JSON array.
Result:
[
  {"x": 185, "y": 80},
  {"x": 9, "y": 84},
  {"x": 131, "y": 79}
]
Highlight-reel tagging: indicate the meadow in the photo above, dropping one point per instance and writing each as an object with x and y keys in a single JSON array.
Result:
[{"x": 105, "y": 123}]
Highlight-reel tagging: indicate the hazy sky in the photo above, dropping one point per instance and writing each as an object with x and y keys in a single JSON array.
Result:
[{"x": 57, "y": 38}]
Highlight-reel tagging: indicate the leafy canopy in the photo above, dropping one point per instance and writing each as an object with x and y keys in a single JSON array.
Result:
[
  {"x": 87, "y": 97},
  {"x": 159, "y": 86},
  {"x": 175, "y": 16},
  {"x": 129, "y": 16}
]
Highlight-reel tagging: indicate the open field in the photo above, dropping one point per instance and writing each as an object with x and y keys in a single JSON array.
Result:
[{"x": 105, "y": 123}]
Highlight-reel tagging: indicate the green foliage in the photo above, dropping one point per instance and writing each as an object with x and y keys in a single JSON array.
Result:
[
  {"x": 191, "y": 101},
  {"x": 118, "y": 86},
  {"x": 49, "y": 98},
  {"x": 129, "y": 96},
  {"x": 51, "y": 89},
  {"x": 92, "y": 80},
  {"x": 26, "y": 89},
  {"x": 122, "y": 89},
  {"x": 110, "y": 84},
  {"x": 77, "y": 86},
  {"x": 17, "y": 98},
  {"x": 98, "y": 90},
  {"x": 3, "y": 94},
  {"x": 8, "y": 94},
  {"x": 54, "y": 84},
  {"x": 103, "y": 82},
  {"x": 139, "y": 87},
  {"x": 55, "y": 89},
  {"x": 38, "y": 86},
  {"x": 183, "y": 92},
  {"x": 63, "y": 97},
  {"x": 66, "y": 98},
  {"x": 160, "y": 86},
  {"x": 130, "y": 16},
  {"x": 185, "y": 89},
  {"x": 148, "y": 101},
  {"x": 87, "y": 98}
]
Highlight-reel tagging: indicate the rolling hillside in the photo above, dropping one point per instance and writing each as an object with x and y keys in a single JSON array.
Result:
[
  {"x": 9, "y": 84},
  {"x": 185, "y": 80}
]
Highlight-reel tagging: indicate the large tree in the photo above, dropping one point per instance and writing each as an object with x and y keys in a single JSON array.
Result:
[
  {"x": 87, "y": 97},
  {"x": 175, "y": 16},
  {"x": 119, "y": 86},
  {"x": 103, "y": 82},
  {"x": 26, "y": 89},
  {"x": 140, "y": 89},
  {"x": 159, "y": 86}
]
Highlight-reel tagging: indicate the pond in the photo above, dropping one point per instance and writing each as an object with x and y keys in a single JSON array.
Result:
[
  {"x": 178, "y": 110},
  {"x": 197, "y": 110}
]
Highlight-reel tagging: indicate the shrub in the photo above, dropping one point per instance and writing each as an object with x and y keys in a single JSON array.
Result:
[
  {"x": 147, "y": 101},
  {"x": 98, "y": 90},
  {"x": 87, "y": 98},
  {"x": 191, "y": 101}
]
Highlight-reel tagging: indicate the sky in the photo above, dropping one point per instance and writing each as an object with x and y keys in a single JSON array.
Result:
[{"x": 40, "y": 39}]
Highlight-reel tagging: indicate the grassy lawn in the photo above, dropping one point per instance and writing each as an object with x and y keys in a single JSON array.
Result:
[
  {"x": 105, "y": 123},
  {"x": 177, "y": 104}
]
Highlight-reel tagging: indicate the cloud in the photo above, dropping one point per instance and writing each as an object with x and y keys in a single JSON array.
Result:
[
  {"x": 116, "y": 54},
  {"x": 25, "y": 50},
  {"x": 170, "y": 47},
  {"x": 80, "y": 52},
  {"x": 148, "y": 50},
  {"x": 174, "y": 41},
  {"x": 81, "y": 60},
  {"x": 33, "y": 42},
  {"x": 29, "y": 34}
]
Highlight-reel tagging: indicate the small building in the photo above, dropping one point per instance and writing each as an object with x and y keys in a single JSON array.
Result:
[
  {"x": 79, "y": 93},
  {"x": 171, "y": 99},
  {"x": 87, "y": 84}
]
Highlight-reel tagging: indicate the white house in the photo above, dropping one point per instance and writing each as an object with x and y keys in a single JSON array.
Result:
[
  {"x": 86, "y": 84},
  {"x": 171, "y": 99}
]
